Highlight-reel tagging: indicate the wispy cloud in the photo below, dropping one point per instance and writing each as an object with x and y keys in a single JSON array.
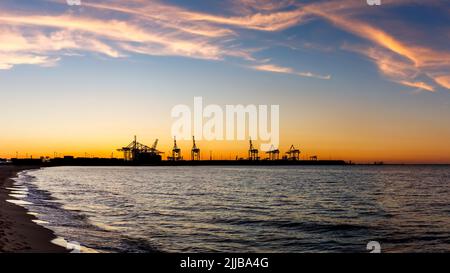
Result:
[
  {"x": 273, "y": 68},
  {"x": 7, "y": 61},
  {"x": 163, "y": 15},
  {"x": 394, "y": 67},
  {"x": 100, "y": 32},
  {"x": 443, "y": 81}
]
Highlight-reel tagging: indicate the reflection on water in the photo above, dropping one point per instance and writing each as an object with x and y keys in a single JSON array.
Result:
[{"x": 245, "y": 209}]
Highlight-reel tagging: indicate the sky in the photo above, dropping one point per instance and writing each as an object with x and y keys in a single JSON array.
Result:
[{"x": 353, "y": 81}]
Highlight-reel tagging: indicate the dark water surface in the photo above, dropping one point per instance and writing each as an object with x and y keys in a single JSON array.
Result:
[{"x": 245, "y": 209}]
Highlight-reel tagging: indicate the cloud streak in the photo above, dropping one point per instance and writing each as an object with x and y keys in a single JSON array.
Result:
[{"x": 36, "y": 47}]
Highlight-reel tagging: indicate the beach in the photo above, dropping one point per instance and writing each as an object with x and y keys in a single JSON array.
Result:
[{"x": 18, "y": 232}]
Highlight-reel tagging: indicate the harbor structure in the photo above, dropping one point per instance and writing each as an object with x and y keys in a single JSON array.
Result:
[
  {"x": 252, "y": 152},
  {"x": 195, "y": 152}
]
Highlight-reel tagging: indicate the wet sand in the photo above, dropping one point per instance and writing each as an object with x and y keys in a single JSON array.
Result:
[{"x": 18, "y": 234}]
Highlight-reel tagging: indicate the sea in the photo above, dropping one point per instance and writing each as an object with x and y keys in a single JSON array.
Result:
[{"x": 270, "y": 209}]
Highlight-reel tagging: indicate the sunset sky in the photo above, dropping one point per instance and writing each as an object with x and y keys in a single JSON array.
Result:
[{"x": 353, "y": 81}]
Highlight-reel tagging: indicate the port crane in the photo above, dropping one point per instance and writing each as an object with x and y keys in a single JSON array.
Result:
[
  {"x": 176, "y": 152},
  {"x": 293, "y": 154},
  {"x": 195, "y": 152},
  {"x": 273, "y": 154},
  {"x": 252, "y": 152},
  {"x": 136, "y": 151}
]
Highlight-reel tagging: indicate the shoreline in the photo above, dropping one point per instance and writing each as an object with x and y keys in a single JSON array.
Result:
[{"x": 18, "y": 232}]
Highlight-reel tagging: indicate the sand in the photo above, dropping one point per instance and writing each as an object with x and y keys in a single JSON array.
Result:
[{"x": 18, "y": 234}]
